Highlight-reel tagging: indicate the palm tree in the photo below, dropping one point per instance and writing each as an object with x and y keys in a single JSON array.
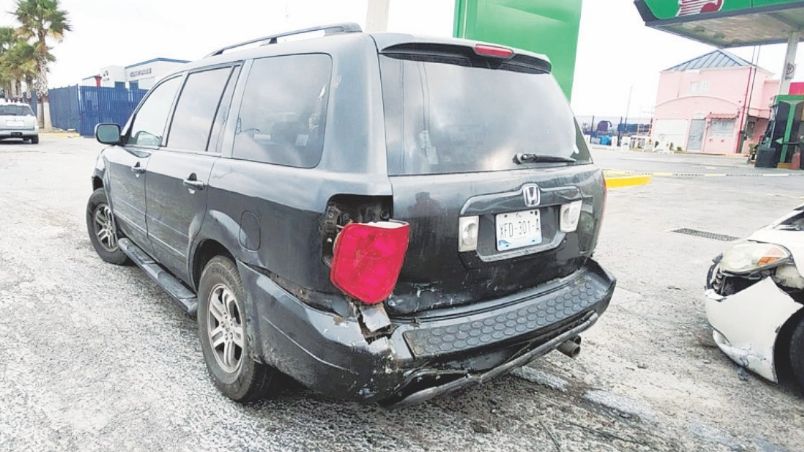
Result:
[
  {"x": 40, "y": 20},
  {"x": 7, "y": 40},
  {"x": 20, "y": 64}
]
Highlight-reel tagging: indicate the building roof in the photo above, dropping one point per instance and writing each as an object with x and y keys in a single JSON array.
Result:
[
  {"x": 152, "y": 60},
  {"x": 718, "y": 59}
]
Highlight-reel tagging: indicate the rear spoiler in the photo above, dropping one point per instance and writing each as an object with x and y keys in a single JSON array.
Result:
[{"x": 466, "y": 55}]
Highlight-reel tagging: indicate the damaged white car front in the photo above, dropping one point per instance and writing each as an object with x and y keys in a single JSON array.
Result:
[{"x": 755, "y": 296}]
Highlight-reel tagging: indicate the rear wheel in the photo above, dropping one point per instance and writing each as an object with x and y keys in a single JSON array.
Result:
[
  {"x": 797, "y": 353},
  {"x": 35, "y": 140},
  {"x": 222, "y": 309},
  {"x": 102, "y": 229}
]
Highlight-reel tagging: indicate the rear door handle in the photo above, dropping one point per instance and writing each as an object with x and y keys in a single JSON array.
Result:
[
  {"x": 192, "y": 183},
  {"x": 137, "y": 169}
]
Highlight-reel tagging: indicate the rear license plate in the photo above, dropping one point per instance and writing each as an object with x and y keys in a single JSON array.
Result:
[
  {"x": 15, "y": 123},
  {"x": 518, "y": 229},
  {"x": 16, "y": 134}
]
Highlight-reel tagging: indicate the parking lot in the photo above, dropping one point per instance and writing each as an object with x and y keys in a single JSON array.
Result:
[{"x": 95, "y": 357}]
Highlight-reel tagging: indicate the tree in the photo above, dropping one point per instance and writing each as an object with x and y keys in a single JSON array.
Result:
[
  {"x": 7, "y": 39},
  {"x": 40, "y": 20},
  {"x": 20, "y": 65}
]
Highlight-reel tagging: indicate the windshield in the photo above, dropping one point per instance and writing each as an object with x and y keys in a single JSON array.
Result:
[
  {"x": 449, "y": 118},
  {"x": 15, "y": 110}
]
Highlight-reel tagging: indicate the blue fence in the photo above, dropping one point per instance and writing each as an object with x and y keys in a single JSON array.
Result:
[
  {"x": 64, "y": 112},
  {"x": 82, "y": 107}
]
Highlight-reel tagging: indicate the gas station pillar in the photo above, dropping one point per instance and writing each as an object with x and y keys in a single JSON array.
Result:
[{"x": 789, "y": 70}]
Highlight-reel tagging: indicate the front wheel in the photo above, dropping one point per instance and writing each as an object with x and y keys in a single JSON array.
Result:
[
  {"x": 102, "y": 229},
  {"x": 797, "y": 353},
  {"x": 222, "y": 330}
]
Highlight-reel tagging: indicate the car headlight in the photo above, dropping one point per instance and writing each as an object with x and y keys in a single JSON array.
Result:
[{"x": 748, "y": 257}]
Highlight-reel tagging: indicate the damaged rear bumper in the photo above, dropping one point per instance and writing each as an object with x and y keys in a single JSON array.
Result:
[
  {"x": 746, "y": 324},
  {"x": 419, "y": 358}
]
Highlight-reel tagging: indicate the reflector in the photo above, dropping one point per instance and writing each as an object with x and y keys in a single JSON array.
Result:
[{"x": 367, "y": 259}]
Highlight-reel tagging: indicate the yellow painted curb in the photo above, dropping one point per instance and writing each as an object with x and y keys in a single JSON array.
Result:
[{"x": 626, "y": 181}]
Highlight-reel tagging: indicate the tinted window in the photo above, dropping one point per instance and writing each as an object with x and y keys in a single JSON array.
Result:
[
  {"x": 450, "y": 118},
  {"x": 149, "y": 124},
  {"x": 283, "y": 113},
  {"x": 196, "y": 109},
  {"x": 223, "y": 112},
  {"x": 15, "y": 110}
]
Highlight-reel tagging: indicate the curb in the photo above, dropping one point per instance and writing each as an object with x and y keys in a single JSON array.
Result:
[
  {"x": 59, "y": 134},
  {"x": 626, "y": 181},
  {"x": 617, "y": 173}
]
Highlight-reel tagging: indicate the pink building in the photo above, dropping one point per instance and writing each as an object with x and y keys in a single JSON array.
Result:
[{"x": 702, "y": 104}]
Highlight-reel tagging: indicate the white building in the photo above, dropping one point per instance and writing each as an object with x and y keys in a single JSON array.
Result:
[{"x": 142, "y": 75}]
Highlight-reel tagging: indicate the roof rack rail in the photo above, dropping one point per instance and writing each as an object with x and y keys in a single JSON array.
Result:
[{"x": 333, "y": 29}]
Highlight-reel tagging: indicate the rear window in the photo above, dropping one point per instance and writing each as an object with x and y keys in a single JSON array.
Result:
[
  {"x": 15, "y": 110},
  {"x": 453, "y": 118},
  {"x": 283, "y": 114}
]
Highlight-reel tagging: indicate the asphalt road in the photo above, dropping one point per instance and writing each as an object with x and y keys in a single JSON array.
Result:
[{"x": 95, "y": 357}]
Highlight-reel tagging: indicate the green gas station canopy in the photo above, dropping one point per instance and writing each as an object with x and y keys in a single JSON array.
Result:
[{"x": 725, "y": 23}]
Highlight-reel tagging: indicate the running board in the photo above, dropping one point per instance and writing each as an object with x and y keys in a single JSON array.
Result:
[{"x": 182, "y": 295}]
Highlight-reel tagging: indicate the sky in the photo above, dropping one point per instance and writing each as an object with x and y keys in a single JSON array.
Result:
[{"x": 617, "y": 54}]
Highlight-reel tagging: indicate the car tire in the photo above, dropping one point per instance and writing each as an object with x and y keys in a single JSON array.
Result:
[
  {"x": 222, "y": 313},
  {"x": 102, "y": 230},
  {"x": 796, "y": 353},
  {"x": 35, "y": 140}
]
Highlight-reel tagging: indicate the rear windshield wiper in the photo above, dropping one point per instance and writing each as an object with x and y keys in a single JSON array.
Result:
[{"x": 536, "y": 158}]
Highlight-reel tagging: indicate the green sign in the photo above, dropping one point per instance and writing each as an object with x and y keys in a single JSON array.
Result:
[
  {"x": 668, "y": 9},
  {"x": 726, "y": 23},
  {"x": 549, "y": 27}
]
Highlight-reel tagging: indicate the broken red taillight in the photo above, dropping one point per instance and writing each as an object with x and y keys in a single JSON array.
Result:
[
  {"x": 367, "y": 259},
  {"x": 493, "y": 51}
]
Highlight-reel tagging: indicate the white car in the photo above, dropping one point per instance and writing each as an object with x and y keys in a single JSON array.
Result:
[
  {"x": 755, "y": 300},
  {"x": 18, "y": 121}
]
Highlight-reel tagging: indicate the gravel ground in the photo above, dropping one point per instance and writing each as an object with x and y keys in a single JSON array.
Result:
[{"x": 97, "y": 358}]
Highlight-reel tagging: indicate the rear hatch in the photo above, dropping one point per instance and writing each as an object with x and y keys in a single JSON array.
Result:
[
  {"x": 491, "y": 139},
  {"x": 13, "y": 117}
]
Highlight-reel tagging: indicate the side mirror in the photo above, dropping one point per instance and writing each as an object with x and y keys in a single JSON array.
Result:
[{"x": 107, "y": 133}]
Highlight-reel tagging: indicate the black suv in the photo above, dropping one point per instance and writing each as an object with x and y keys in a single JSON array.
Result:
[{"x": 379, "y": 216}]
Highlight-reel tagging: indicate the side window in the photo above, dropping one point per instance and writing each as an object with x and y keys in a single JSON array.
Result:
[
  {"x": 223, "y": 112},
  {"x": 284, "y": 109},
  {"x": 149, "y": 124},
  {"x": 196, "y": 109}
]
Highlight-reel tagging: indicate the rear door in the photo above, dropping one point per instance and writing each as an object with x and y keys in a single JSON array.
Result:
[
  {"x": 178, "y": 173},
  {"x": 128, "y": 163},
  {"x": 456, "y": 124}
]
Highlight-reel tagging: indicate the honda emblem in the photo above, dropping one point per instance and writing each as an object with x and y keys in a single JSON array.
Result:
[{"x": 530, "y": 193}]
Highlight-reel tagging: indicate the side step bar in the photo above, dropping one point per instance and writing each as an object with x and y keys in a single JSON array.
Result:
[{"x": 180, "y": 293}]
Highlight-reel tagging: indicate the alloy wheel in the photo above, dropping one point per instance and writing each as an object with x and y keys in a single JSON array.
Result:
[
  {"x": 105, "y": 229},
  {"x": 225, "y": 328}
]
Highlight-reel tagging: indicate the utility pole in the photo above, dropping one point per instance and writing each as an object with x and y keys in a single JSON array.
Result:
[
  {"x": 377, "y": 16},
  {"x": 624, "y": 126},
  {"x": 628, "y": 107}
]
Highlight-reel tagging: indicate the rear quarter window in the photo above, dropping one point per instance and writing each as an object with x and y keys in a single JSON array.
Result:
[{"x": 283, "y": 113}]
